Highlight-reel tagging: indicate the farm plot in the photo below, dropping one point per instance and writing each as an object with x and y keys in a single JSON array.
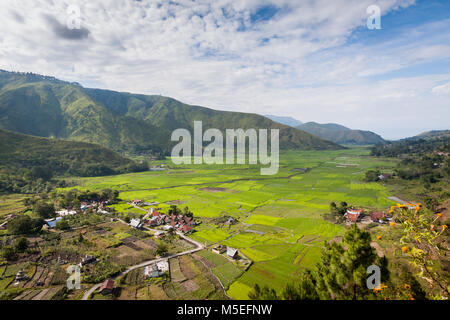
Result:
[
  {"x": 226, "y": 271},
  {"x": 282, "y": 215}
]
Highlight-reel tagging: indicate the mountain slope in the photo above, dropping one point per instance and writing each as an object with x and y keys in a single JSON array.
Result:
[
  {"x": 47, "y": 107},
  {"x": 433, "y": 134},
  {"x": 61, "y": 156},
  {"x": 52, "y": 108},
  {"x": 171, "y": 114},
  {"x": 340, "y": 134},
  {"x": 289, "y": 121}
]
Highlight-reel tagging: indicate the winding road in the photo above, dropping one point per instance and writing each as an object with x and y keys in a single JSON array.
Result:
[{"x": 198, "y": 247}]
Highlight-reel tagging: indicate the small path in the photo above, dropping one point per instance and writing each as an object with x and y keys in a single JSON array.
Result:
[
  {"x": 396, "y": 199},
  {"x": 198, "y": 245}
]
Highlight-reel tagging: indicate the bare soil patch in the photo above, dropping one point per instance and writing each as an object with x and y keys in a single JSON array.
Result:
[
  {"x": 210, "y": 189},
  {"x": 175, "y": 202},
  {"x": 190, "y": 285},
  {"x": 185, "y": 269},
  {"x": 157, "y": 293},
  {"x": 377, "y": 247}
]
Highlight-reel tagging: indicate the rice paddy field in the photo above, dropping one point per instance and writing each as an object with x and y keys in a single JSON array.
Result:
[{"x": 280, "y": 225}]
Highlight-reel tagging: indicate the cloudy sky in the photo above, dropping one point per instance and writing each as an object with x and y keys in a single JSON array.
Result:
[{"x": 312, "y": 60}]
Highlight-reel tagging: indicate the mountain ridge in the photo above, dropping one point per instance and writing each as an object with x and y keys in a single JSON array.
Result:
[
  {"x": 125, "y": 122},
  {"x": 340, "y": 134}
]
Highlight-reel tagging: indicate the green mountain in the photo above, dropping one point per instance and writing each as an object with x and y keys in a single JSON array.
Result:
[
  {"x": 19, "y": 151},
  {"x": 340, "y": 134},
  {"x": 47, "y": 107},
  {"x": 433, "y": 134}
]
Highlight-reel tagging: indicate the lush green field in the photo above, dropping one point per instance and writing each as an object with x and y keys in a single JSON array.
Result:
[{"x": 280, "y": 226}]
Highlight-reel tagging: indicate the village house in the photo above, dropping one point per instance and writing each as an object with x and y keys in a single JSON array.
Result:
[
  {"x": 232, "y": 253},
  {"x": 87, "y": 259},
  {"x": 65, "y": 212},
  {"x": 352, "y": 215},
  {"x": 377, "y": 216},
  {"x": 163, "y": 265},
  {"x": 107, "y": 287},
  {"x": 137, "y": 202},
  {"x": 229, "y": 221},
  {"x": 21, "y": 276},
  {"x": 384, "y": 176},
  {"x": 156, "y": 270},
  {"x": 219, "y": 249},
  {"x": 52, "y": 222},
  {"x": 136, "y": 223},
  {"x": 186, "y": 229}
]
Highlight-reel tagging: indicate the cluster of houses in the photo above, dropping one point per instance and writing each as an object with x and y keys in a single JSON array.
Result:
[
  {"x": 179, "y": 222},
  {"x": 355, "y": 215},
  {"x": 96, "y": 206}
]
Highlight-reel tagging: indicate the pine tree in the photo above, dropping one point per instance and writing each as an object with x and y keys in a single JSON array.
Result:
[
  {"x": 341, "y": 274},
  {"x": 305, "y": 289}
]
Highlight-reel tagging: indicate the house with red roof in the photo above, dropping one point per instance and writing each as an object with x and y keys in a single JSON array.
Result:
[
  {"x": 185, "y": 229},
  {"x": 352, "y": 215},
  {"x": 377, "y": 216},
  {"x": 107, "y": 287}
]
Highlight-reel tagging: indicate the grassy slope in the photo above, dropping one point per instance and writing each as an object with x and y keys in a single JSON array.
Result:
[
  {"x": 172, "y": 114},
  {"x": 19, "y": 150},
  {"x": 51, "y": 108}
]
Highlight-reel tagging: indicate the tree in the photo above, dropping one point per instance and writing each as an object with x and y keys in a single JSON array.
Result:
[
  {"x": 44, "y": 210},
  {"x": 62, "y": 225},
  {"x": 7, "y": 252},
  {"x": 174, "y": 210},
  {"x": 333, "y": 208},
  {"x": 161, "y": 250},
  {"x": 187, "y": 212},
  {"x": 372, "y": 176},
  {"x": 341, "y": 273},
  {"x": 21, "y": 244},
  {"x": 305, "y": 289},
  {"x": 23, "y": 224},
  {"x": 265, "y": 293}
]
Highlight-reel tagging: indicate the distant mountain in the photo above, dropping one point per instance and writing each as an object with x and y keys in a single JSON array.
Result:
[
  {"x": 289, "y": 121},
  {"x": 47, "y": 107},
  {"x": 340, "y": 134},
  {"x": 432, "y": 134},
  {"x": 61, "y": 156}
]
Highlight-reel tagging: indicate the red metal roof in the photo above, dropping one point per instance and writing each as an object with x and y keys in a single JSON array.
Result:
[
  {"x": 352, "y": 217},
  {"x": 107, "y": 284},
  {"x": 377, "y": 215}
]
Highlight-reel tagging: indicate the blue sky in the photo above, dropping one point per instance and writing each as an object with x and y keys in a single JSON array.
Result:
[{"x": 312, "y": 60}]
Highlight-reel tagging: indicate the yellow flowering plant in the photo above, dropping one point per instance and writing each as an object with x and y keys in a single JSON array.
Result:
[{"x": 421, "y": 241}]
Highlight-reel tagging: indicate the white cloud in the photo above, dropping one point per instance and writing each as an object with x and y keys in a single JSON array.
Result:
[
  {"x": 211, "y": 53},
  {"x": 442, "y": 89}
]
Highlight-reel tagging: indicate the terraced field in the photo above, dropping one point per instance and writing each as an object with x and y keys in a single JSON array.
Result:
[
  {"x": 279, "y": 218},
  {"x": 190, "y": 278}
]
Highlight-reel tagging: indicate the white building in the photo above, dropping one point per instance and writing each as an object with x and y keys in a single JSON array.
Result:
[
  {"x": 136, "y": 223},
  {"x": 65, "y": 212}
]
